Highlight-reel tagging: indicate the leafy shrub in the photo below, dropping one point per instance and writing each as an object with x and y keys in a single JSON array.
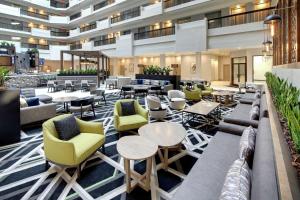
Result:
[
  {"x": 78, "y": 72},
  {"x": 286, "y": 100}
]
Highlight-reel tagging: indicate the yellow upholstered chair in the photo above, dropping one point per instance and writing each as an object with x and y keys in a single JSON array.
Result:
[
  {"x": 125, "y": 123},
  {"x": 193, "y": 94},
  {"x": 73, "y": 152},
  {"x": 207, "y": 91}
]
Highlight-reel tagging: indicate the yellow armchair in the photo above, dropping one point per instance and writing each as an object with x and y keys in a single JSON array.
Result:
[
  {"x": 207, "y": 91},
  {"x": 76, "y": 150},
  {"x": 125, "y": 123},
  {"x": 193, "y": 94}
]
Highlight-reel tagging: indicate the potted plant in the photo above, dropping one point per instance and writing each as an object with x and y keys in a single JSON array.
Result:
[
  {"x": 167, "y": 70},
  {"x": 3, "y": 73}
]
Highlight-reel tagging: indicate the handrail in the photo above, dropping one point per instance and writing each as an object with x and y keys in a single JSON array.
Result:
[
  {"x": 60, "y": 33},
  {"x": 15, "y": 27},
  {"x": 75, "y": 16},
  {"x": 103, "y": 4},
  {"x": 155, "y": 33},
  {"x": 75, "y": 46},
  {"x": 37, "y": 46},
  {"x": 172, "y": 3},
  {"x": 239, "y": 18},
  {"x": 105, "y": 42},
  {"x": 34, "y": 14},
  {"x": 56, "y": 4}
]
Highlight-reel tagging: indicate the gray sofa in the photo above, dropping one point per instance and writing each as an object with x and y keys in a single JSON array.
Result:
[
  {"x": 38, "y": 113},
  {"x": 206, "y": 178},
  {"x": 30, "y": 92}
]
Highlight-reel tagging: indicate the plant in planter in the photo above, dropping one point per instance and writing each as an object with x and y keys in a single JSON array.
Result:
[
  {"x": 167, "y": 70},
  {"x": 3, "y": 73}
]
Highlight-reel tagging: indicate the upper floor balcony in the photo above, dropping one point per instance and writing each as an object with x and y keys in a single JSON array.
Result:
[
  {"x": 17, "y": 27},
  {"x": 59, "y": 4},
  {"x": 88, "y": 27},
  {"x": 60, "y": 33},
  {"x": 75, "y": 46},
  {"x": 172, "y": 3},
  {"x": 155, "y": 33},
  {"x": 240, "y": 18},
  {"x": 128, "y": 14},
  {"x": 103, "y": 4},
  {"x": 103, "y": 42},
  {"x": 34, "y": 14},
  {"x": 34, "y": 46}
]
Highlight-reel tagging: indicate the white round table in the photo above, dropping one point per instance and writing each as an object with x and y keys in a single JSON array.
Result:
[
  {"x": 165, "y": 135},
  {"x": 137, "y": 148}
]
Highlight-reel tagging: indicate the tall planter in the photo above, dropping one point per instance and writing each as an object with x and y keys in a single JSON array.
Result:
[{"x": 10, "y": 128}]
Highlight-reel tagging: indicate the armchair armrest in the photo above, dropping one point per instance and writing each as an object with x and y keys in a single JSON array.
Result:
[
  {"x": 142, "y": 111},
  {"x": 116, "y": 117},
  {"x": 90, "y": 127}
]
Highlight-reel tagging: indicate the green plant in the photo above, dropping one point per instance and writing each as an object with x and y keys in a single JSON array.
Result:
[
  {"x": 3, "y": 73},
  {"x": 78, "y": 72},
  {"x": 286, "y": 99}
]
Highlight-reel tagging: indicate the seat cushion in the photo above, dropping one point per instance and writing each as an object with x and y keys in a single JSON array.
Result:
[
  {"x": 206, "y": 178},
  {"x": 44, "y": 98},
  {"x": 131, "y": 122},
  {"x": 33, "y": 101},
  {"x": 85, "y": 144},
  {"x": 66, "y": 128}
]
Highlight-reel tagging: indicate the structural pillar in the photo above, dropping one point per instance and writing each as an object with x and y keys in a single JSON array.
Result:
[
  {"x": 79, "y": 62},
  {"x": 98, "y": 71},
  {"x": 162, "y": 60},
  {"x": 103, "y": 71},
  {"x": 61, "y": 60},
  {"x": 72, "y": 62}
]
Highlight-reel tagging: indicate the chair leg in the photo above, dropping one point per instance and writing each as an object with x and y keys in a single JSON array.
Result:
[
  {"x": 93, "y": 110},
  {"x": 79, "y": 171},
  {"x": 103, "y": 149},
  {"x": 47, "y": 165}
]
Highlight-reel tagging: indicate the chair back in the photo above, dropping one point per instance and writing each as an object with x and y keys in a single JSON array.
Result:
[
  {"x": 82, "y": 102},
  {"x": 153, "y": 102},
  {"x": 84, "y": 83},
  {"x": 176, "y": 94},
  {"x": 100, "y": 92},
  {"x": 68, "y": 83},
  {"x": 51, "y": 83},
  {"x": 118, "y": 105},
  {"x": 28, "y": 92},
  {"x": 155, "y": 88},
  {"x": 126, "y": 88},
  {"x": 49, "y": 127}
]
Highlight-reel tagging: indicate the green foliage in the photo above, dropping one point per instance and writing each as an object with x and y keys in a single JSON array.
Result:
[
  {"x": 78, "y": 72},
  {"x": 154, "y": 69},
  {"x": 286, "y": 100},
  {"x": 6, "y": 44},
  {"x": 3, "y": 72}
]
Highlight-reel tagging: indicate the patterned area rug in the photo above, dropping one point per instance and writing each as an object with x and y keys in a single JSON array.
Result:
[{"x": 23, "y": 174}]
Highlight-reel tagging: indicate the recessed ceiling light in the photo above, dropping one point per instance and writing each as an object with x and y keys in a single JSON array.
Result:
[
  {"x": 15, "y": 38},
  {"x": 15, "y": 23}
]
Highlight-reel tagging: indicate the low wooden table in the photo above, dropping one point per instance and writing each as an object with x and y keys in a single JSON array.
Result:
[
  {"x": 228, "y": 96},
  {"x": 166, "y": 135},
  {"x": 137, "y": 148},
  {"x": 201, "y": 109},
  {"x": 65, "y": 101}
]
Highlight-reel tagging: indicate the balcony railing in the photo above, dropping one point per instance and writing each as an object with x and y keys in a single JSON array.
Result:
[
  {"x": 172, "y": 3},
  {"x": 15, "y": 27},
  {"x": 34, "y": 14},
  {"x": 56, "y": 4},
  {"x": 60, "y": 33},
  {"x": 240, "y": 18},
  {"x": 104, "y": 42},
  {"x": 75, "y": 16},
  {"x": 35, "y": 46},
  {"x": 103, "y": 4},
  {"x": 75, "y": 46},
  {"x": 88, "y": 28},
  {"x": 155, "y": 33},
  {"x": 126, "y": 15}
]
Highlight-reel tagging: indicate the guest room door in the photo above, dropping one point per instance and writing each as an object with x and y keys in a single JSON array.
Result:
[{"x": 239, "y": 70}]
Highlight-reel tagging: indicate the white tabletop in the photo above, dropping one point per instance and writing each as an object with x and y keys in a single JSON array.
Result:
[
  {"x": 164, "y": 134},
  {"x": 136, "y": 148}
]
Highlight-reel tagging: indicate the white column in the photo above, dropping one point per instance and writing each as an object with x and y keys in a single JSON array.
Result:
[{"x": 162, "y": 60}]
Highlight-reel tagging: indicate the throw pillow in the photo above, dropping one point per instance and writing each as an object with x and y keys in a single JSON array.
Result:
[
  {"x": 247, "y": 145},
  {"x": 140, "y": 81},
  {"x": 201, "y": 86},
  {"x": 128, "y": 108},
  {"x": 257, "y": 95},
  {"x": 34, "y": 101},
  {"x": 254, "y": 113},
  {"x": 237, "y": 183},
  {"x": 23, "y": 103},
  {"x": 67, "y": 128},
  {"x": 256, "y": 103}
]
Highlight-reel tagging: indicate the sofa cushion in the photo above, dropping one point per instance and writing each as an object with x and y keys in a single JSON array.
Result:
[
  {"x": 66, "y": 128},
  {"x": 256, "y": 103},
  {"x": 128, "y": 108},
  {"x": 205, "y": 180},
  {"x": 263, "y": 107},
  {"x": 264, "y": 182},
  {"x": 257, "y": 95},
  {"x": 85, "y": 144},
  {"x": 238, "y": 182},
  {"x": 23, "y": 103},
  {"x": 254, "y": 113},
  {"x": 140, "y": 81},
  {"x": 132, "y": 122},
  {"x": 247, "y": 145},
  {"x": 33, "y": 101},
  {"x": 240, "y": 116}
]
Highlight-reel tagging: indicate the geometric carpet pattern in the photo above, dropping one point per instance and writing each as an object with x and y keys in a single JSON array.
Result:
[{"x": 23, "y": 173}]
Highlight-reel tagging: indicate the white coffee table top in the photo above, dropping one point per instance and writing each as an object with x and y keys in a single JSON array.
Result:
[
  {"x": 136, "y": 148},
  {"x": 164, "y": 134}
]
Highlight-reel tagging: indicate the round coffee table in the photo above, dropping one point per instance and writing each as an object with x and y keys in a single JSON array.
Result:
[
  {"x": 165, "y": 135},
  {"x": 228, "y": 96},
  {"x": 137, "y": 148},
  {"x": 65, "y": 101}
]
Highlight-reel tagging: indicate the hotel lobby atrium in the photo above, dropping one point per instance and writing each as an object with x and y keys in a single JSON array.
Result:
[{"x": 149, "y": 99}]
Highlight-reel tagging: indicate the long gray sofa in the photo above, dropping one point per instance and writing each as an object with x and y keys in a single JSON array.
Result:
[
  {"x": 29, "y": 115},
  {"x": 206, "y": 178}
]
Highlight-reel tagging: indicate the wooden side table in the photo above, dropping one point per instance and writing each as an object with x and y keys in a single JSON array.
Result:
[{"x": 137, "y": 148}]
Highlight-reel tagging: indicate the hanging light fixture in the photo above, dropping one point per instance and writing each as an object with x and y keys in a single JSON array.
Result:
[
  {"x": 271, "y": 20},
  {"x": 267, "y": 45}
]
